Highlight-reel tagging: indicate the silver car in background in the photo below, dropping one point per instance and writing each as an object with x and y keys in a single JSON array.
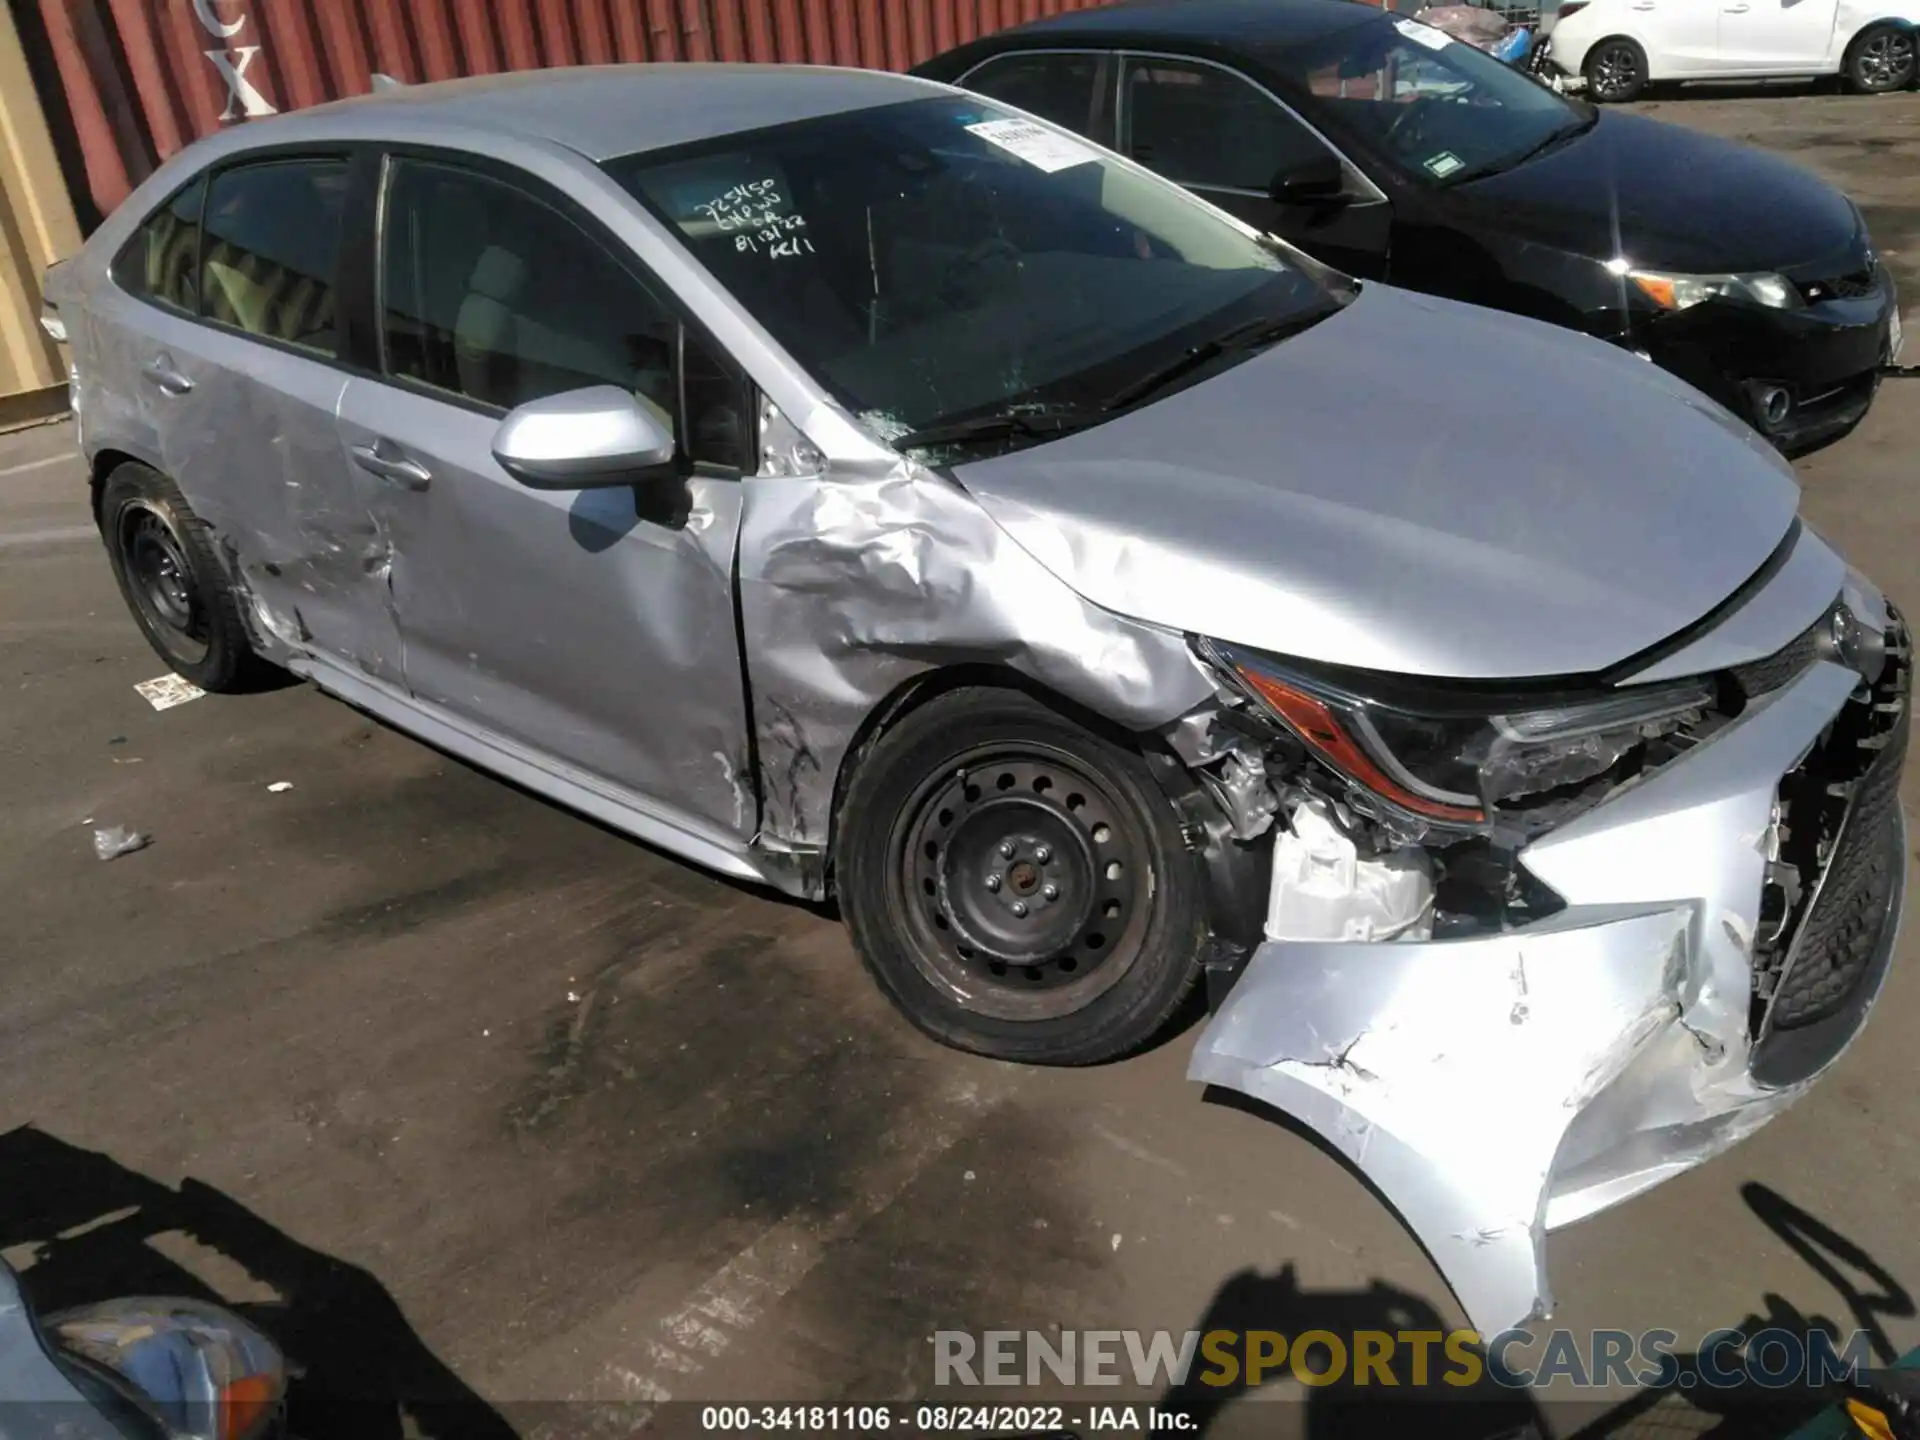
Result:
[{"x": 857, "y": 486}]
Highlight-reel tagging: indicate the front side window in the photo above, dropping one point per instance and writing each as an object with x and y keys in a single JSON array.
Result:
[
  {"x": 940, "y": 259},
  {"x": 271, "y": 250},
  {"x": 162, "y": 260},
  {"x": 493, "y": 295},
  {"x": 1209, "y": 127},
  {"x": 1436, "y": 109},
  {"x": 1071, "y": 89}
]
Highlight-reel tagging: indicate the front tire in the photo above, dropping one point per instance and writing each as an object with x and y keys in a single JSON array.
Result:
[
  {"x": 1881, "y": 59},
  {"x": 1017, "y": 884},
  {"x": 163, "y": 558},
  {"x": 1616, "y": 71}
]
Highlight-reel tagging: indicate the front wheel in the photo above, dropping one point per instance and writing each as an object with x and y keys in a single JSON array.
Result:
[
  {"x": 1616, "y": 71},
  {"x": 1881, "y": 59},
  {"x": 1017, "y": 884}
]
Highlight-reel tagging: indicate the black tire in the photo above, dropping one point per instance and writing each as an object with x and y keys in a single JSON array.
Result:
[
  {"x": 983, "y": 785},
  {"x": 171, "y": 578},
  {"x": 1616, "y": 70},
  {"x": 1881, "y": 59}
]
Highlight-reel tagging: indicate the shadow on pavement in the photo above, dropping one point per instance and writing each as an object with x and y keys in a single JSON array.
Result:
[
  {"x": 81, "y": 1227},
  {"x": 1685, "y": 1405}
]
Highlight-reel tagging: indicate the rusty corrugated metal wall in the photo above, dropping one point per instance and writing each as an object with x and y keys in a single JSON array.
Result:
[
  {"x": 138, "y": 79},
  {"x": 37, "y": 227}
]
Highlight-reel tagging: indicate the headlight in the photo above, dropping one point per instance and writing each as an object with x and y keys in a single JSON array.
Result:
[
  {"x": 1452, "y": 758},
  {"x": 203, "y": 1373},
  {"x": 1678, "y": 292}
]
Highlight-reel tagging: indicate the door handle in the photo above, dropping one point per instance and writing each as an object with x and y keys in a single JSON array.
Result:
[
  {"x": 1737, "y": 9},
  {"x": 381, "y": 459},
  {"x": 161, "y": 372}
]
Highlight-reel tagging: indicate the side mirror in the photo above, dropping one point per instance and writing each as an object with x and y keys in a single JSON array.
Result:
[
  {"x": 1313, "y": 180},
  {"x": 583, "y": 439}
]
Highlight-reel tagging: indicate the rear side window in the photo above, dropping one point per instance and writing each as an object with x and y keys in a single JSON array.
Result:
[
  {"x": 1071, "y": 90},
  {"x": 1207, "y": 127},
  {"x": 162, "y": 260},
  {"x": 272, "y": 249}
]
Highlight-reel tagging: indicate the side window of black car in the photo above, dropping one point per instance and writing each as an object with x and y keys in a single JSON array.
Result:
[
  {"x": 1210, "y": 128},
  {"x": 162, "y": 261},
  {"x": 1072, "y": 89}
]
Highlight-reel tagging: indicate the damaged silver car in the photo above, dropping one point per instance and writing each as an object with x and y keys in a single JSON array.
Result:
[{"x": 867, "y": 489}]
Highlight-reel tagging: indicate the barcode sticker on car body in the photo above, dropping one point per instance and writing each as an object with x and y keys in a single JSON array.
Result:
[{"x": 1035, "y": 144}]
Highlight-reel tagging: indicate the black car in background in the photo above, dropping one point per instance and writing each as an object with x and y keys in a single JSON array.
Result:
[{"x": 1392, "y": 152}]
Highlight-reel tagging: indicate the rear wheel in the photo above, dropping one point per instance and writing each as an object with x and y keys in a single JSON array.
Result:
[
  {"x": 163, "y": 558},
  {"x": 1616, "y": 71},
  {"x": 1881, "y": 59},
  {"x": 1017, "y": 884}
]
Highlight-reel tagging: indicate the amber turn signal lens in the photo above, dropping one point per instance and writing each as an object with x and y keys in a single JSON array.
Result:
[
  {"x": 1316, "y": 724},
  {"x": 245, "y": 1404}
]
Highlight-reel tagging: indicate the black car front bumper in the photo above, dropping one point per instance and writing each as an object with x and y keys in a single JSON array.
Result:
[{"x": 1826, "y": 356}]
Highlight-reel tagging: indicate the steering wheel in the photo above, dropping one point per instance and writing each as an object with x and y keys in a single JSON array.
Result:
[
  {"x": 1409, "y": 125},
  {"x": 978, "y": 269}
]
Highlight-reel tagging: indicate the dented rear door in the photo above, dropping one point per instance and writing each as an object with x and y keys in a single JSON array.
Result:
[{"x": 242, "y": 399}]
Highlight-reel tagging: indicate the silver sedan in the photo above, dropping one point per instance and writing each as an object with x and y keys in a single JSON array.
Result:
[{"x": 867, "y": 489}]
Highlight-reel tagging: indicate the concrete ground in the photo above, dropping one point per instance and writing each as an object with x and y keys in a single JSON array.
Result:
[{"x": 486, "y": 1108}]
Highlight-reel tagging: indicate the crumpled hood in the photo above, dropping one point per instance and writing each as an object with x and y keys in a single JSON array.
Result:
[{"x": 1412, "y": 485}]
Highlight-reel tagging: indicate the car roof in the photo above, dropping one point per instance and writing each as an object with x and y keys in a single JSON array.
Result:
[
  {"x": 1262, "y": 23},
  {"x": 604, "y": 111}
]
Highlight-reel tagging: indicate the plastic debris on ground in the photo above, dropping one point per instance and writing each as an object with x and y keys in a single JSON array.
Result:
[
  {"x": 167, "y": 691},
  {"x": 279, "y": 787},
  {"x": 110, "y": 842}
]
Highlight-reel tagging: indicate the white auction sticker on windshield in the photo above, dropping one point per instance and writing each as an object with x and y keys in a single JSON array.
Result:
[
  {"x": 1422, "y": 34},
  {"x": 1445, "y": 163},
  {"x": 1035, "y": 144}
]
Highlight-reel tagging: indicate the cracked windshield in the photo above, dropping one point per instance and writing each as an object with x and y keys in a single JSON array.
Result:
[{"x": 957, "y": 274}]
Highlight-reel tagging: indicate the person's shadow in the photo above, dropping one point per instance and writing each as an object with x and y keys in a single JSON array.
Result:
[
  {"x": 1249, "y": 1301},
  {"x": 80, "y": 1225},
  {"x": 1488, "y": 1410}
]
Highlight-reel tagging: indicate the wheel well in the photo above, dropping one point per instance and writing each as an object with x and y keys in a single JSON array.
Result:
[
  {"x": 931, "y": 685},
  {"x": 1605, "y": 40},
  {"x": 1860, "y": 34},
  {"x": 104, "y": 464}
]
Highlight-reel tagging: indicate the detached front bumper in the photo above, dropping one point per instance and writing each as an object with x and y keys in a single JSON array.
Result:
[{"x": 1498, "y": 1087}]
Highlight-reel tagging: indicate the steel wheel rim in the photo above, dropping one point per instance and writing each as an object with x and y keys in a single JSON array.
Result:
[
  {"x": 978, "y": 850},
  {"x": 1615, "y": 71},
  {"x": 161, "y": 579},
  {"x": 1886, "y": 61}
]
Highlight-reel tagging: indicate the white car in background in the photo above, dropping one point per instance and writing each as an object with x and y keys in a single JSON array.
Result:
[{"x": 1621, "y": 46}]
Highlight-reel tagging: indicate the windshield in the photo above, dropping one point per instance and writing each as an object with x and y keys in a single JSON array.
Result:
[
  {"x": 1434, "y": 107},
  {"x": 943, "y": 259}
]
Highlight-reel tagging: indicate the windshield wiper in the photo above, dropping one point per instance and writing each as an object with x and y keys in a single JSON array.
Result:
[
  {"x": 1248, "y": 335},
  {"x": 1037, "y": 425},
  {"x": 1532, "y": 152}
]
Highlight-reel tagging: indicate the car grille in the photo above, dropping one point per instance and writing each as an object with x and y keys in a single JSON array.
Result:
[
  {"x": 1764, "y": 676},
  {"x": 1829, "y": 894},
  {"x": 1841, "y": 287}
]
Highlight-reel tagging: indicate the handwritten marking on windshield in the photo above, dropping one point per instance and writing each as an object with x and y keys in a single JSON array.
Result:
[{"x": 757, "y": 216}]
